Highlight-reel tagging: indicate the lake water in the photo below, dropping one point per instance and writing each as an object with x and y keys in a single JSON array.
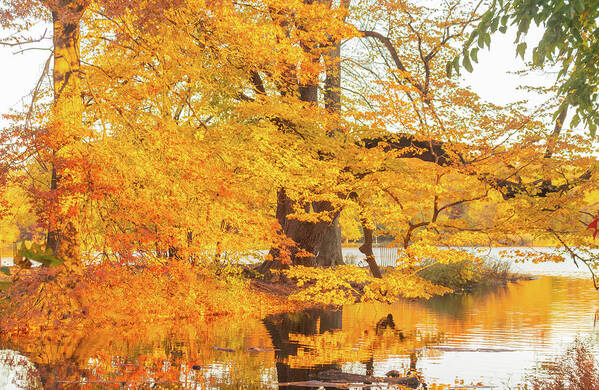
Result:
[{"x": 493, "y": 336}]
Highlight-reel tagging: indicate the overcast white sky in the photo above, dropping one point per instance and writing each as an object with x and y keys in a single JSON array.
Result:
[
  {"x": 18, "y": 75},
  {"x": 490, "y": 79}
]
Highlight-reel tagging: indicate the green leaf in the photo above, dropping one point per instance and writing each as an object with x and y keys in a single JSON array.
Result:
[
  {"x": 523, "y": 27},
  {"x": 39, "y": 254},
  {"x": 488, "y": 40},
  {"x": 456, "y": 65},
  {"x": 593, "y": 129},
  {"x": 575, "y": 121},
  {"x": 35, "y": 247},
  {"x": 481, "y": 40},
  {"x": 5, "y": 270},
  {"x": 503, "y": 29},
  {"x": 467, "y": 64},
  {"x": 521, "y": 49},
  {"x": 537, "y": 56},
  {"x": 474, "y": 54},
  {"x": 494, "y": 24},
  {"x": 471, "y": 38},
  {"x": 537, "y": 18}
]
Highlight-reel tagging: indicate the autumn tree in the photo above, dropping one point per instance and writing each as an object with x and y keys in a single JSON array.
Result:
[
  {"x": 190, "y": 140},
  {"x": 64, "y": 129},
  {"x": 467, "y": 141},
  {"x": 568, "y": 43},
  {"x": 59, "y": 142},
  {"x": 471, "y": 153},
  {"x": 178, "y": 127}
]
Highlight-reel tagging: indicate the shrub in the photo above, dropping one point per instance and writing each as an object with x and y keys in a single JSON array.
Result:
[
  {"x": 575, "y": 369},
  {"x": 463, "y": 275},
  {"x": 457, "y": 276},
  {"x": 495, "y": 269}
]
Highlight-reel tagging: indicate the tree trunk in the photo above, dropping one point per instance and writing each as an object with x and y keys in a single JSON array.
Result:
[
  {"x": 332, "y": 83},
  {"x": 330, "y": 251},
  {"x": 366, "y": 249},
  {"x": 52, "y": 236},
  {"x": 308, "y": 236},
  {"x": 66, "y": 126},
  {"x": 316, "y": 243}
]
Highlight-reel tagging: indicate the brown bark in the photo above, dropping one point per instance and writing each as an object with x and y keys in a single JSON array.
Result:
[
  {"x": 409, "y": 146},
  {"x": 307, "y": 236},
  {"x": 440, "y": 153},
  {"x": 338, "y": 378},
  {"x": 559, "y": 123},
  {"x": 330, "y": 250},
  {"x": 366, "y": 249},
  {"x": 332, "y": 83}
]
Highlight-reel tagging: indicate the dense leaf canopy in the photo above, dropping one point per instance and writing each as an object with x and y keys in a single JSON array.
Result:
[{"x": 211, "y": 132}]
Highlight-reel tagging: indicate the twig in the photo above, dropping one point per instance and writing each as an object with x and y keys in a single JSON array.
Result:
[{"x": 576, "y": 256}]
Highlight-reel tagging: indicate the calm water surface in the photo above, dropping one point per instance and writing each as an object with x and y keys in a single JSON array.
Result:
[{"x": 494, "y": 336}]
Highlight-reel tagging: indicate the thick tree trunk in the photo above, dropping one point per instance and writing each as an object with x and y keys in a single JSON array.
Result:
[
  {"x": 53, "y": 234},
  {"x": 66, "y": 125},
  {"x": 330, "y": 251},
  {"x": 308, "y": 236},
  {"x": 332, "y": 83}
]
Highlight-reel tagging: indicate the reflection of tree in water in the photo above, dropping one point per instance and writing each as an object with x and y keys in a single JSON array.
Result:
[
  {"x": 314, "y": 341},
  {"x": 381, "y": 326},
  {"x": 163, "y": 353},
  {"x": 307, "y": 322},
  {"x": 308, "y": 342},
  {"x": 64, "y": 360},
  {"x": 67, "y": 348}
]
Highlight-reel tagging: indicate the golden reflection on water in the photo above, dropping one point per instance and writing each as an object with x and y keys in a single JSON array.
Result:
[
  {"x": 154, "y": 353},
  {"x": 492, "y": 335}
]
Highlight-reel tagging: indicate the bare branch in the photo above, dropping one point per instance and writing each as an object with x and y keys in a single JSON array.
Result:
[{"x": 17, "y": 42}]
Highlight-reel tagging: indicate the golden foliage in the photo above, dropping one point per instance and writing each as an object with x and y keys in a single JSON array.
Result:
[
  {"x": 348, "y": 284},
  {"x": 185, "y": 118},
  {"x": 125, "y": 295}
]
